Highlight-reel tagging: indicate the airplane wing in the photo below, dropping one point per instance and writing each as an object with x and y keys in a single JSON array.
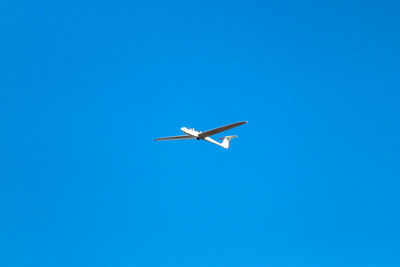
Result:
[
  {"x": 179, "y": 137},
  {"x": 220, "y": 129}
]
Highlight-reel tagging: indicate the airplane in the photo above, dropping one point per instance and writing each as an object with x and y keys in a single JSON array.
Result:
[{"x": 193, "y": 134}]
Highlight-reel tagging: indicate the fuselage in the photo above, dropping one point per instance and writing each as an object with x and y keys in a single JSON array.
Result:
[
  {"x": 195, "y": 133},
  {"x": 191, "y": 132}
]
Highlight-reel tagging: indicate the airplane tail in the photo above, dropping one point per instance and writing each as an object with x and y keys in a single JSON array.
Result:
[{"x": 226, "y": 141}]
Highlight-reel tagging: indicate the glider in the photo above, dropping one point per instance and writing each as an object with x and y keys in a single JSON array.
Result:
[{"x": 193, "y": 134}]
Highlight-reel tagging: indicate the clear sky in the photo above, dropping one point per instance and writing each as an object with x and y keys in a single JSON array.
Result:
[{"x": 312, "y": 180}]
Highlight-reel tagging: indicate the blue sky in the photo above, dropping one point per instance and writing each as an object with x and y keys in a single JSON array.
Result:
[{"x": 312, "y": 180}]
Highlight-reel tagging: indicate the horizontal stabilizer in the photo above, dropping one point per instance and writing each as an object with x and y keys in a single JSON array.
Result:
[{"x": 228, "y": 137}]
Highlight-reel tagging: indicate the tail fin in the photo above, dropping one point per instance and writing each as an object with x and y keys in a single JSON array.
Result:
[{"x": 227, "y": 140}]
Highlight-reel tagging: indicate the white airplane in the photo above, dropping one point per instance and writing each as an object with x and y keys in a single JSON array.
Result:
[{"x": 193, "y": 134}]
